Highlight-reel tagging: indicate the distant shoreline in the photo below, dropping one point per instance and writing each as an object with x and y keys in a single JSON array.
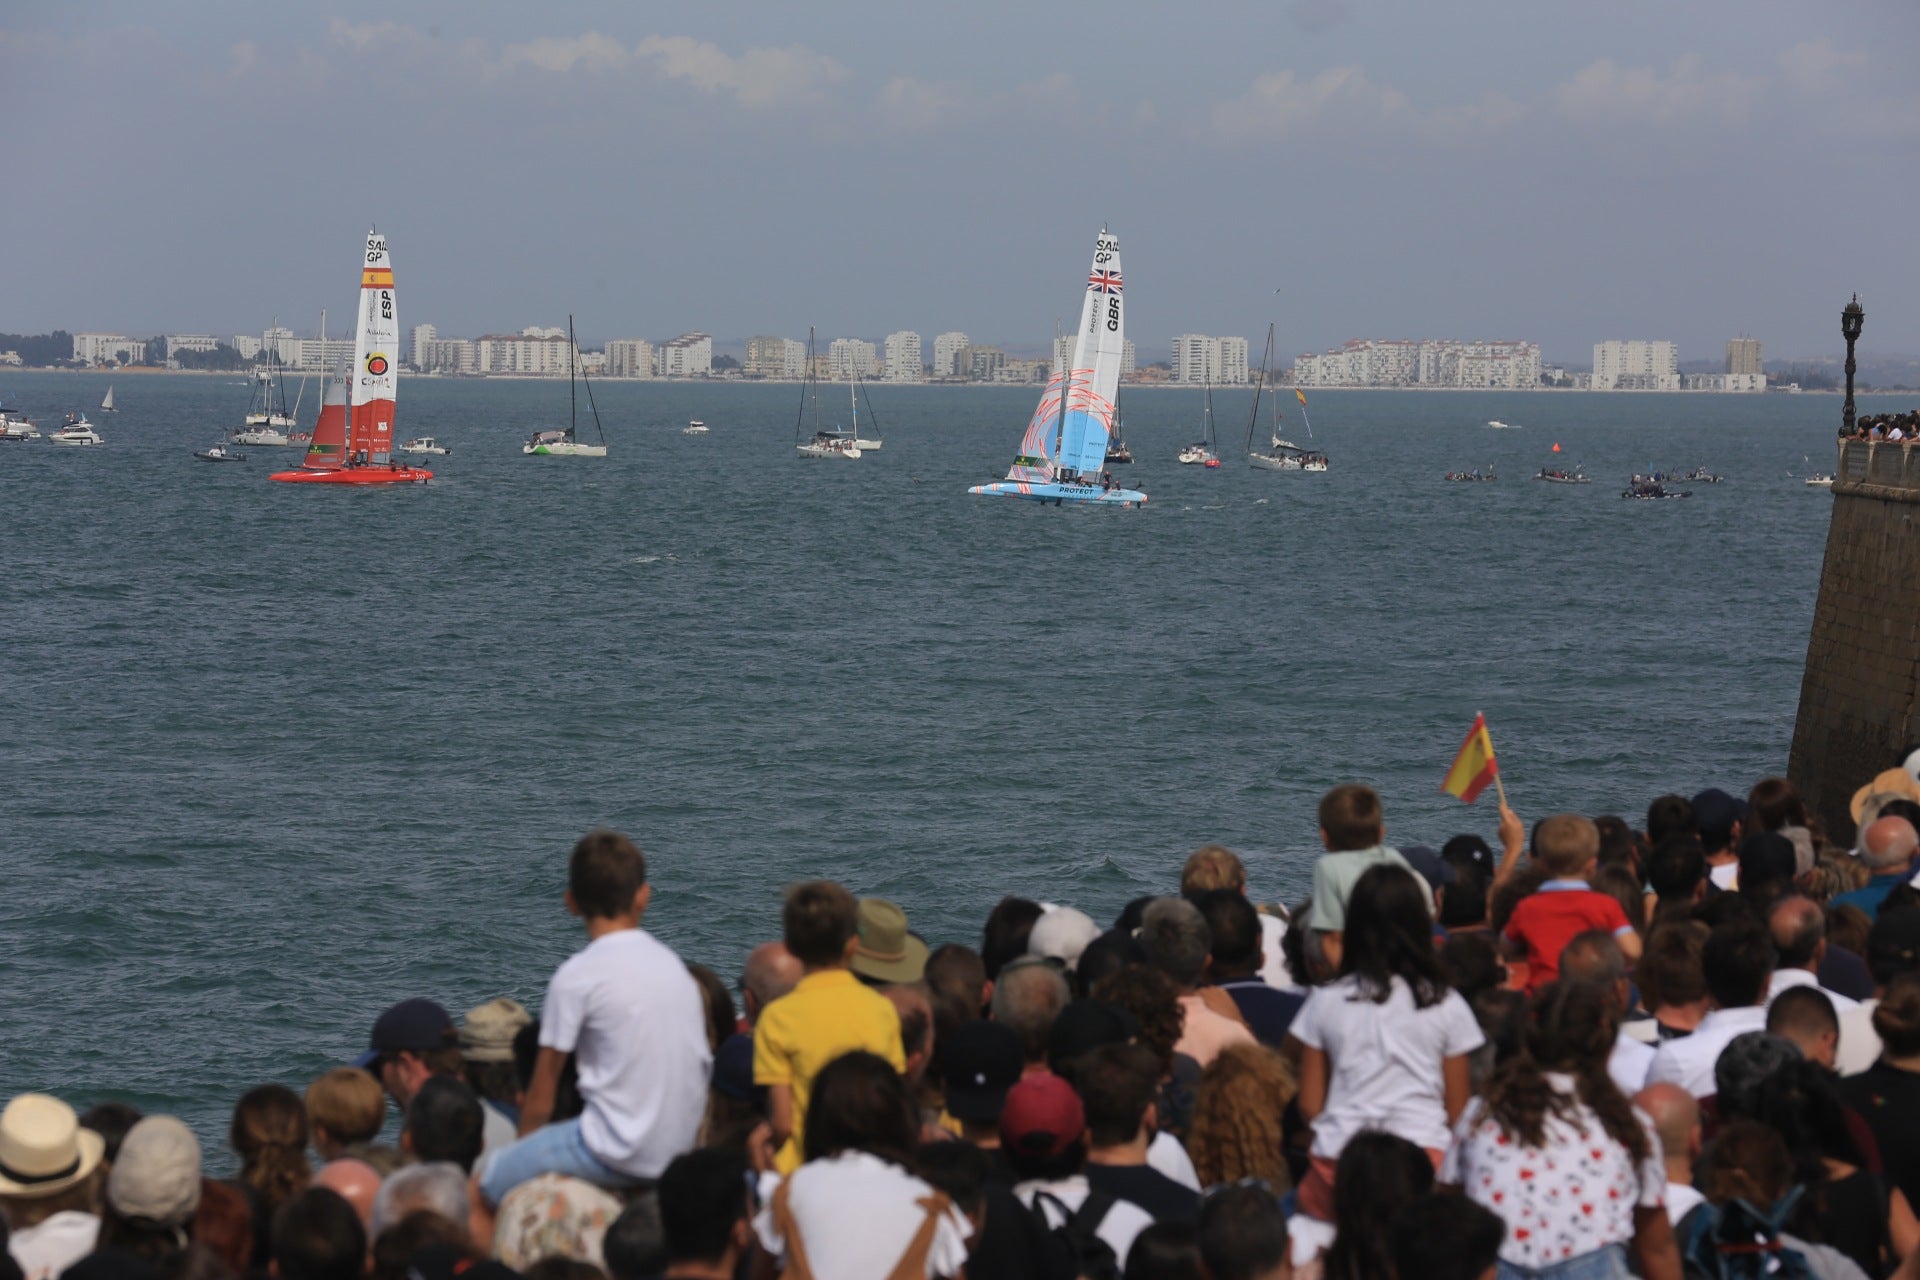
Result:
[{"x": 143, "y": 371}]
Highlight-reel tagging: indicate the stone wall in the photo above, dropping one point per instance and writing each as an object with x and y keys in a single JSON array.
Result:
[{"x": 1860, "y": 696}]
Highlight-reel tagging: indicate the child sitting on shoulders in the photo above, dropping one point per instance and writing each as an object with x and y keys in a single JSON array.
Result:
[{"x": 1566, "y": 847}]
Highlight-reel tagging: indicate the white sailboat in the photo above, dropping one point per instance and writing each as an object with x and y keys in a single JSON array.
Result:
[
  {"x": 1205, "y": 451},
  {"x": 1282, "y": 454},
  {"x": 567, "y": 444},
  {"x": 863, "y": 445},
  {"x": 822, "y": 444},
  {"x": 267, "y": 420},
  {"x": 106, "y": 403}
]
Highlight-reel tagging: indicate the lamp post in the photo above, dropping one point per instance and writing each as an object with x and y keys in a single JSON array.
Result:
[{"x": 1852, "y": 317}]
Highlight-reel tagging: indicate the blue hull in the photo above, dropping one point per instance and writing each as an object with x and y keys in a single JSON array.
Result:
[{"x": 1057, "y": 493}]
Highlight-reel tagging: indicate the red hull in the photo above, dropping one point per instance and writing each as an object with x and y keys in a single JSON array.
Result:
[{"x": 356, "y": 475}]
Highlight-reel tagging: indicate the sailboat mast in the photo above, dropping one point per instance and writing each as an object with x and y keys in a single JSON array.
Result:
[
  {"x": 1253, "y": 417},
  {"x": 573, "y": 395}
]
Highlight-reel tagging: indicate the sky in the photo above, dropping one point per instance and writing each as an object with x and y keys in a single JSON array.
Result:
[{"x": 1559, "y": 172}]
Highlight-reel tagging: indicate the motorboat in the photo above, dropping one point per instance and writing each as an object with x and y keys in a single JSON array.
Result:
[
  {"x": 562, "y": 444},
  {"x": 265, "y": 437},
  {"x": 425, "y": 445},
  {"x": 1498, "y": 425},
  {"x": 1819, "y": 480},
  {"x": 1475, "y": 476},
  {"x": 15, "y": 427},
  {"x": 694, "y": 428},
  {"x": 1652, "y": 490},
  {"x": 1700, "y": 475},
  {"x": 76, "y": 430},
  {"x": 219, "y": 453},
  {"x": 1556, "y": 476},
  {"x": 1118, "y": 453},
  {"x": 1198, "y": 455}
]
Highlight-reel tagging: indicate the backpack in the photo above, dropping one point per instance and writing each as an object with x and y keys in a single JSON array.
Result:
[
  {"x": 1075, "y": 1247},
  {"x": 1736, "y": 1241}
]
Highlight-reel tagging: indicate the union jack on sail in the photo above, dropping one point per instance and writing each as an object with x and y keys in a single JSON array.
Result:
[{"x": 1104, "y": 282}]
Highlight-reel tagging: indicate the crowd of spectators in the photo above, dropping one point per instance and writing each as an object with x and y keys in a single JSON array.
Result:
[
  {"x": 1887, "y": 426},
  {"x": 1687, "y": 1048}
]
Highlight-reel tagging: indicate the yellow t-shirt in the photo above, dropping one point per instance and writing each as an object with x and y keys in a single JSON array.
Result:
[{"x": 830, "y": 1013}]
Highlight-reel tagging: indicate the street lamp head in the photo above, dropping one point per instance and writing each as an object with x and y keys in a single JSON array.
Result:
[{"x": 1852, "y": 317}]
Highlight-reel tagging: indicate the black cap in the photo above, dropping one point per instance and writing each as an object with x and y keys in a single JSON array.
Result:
[
  {"x": 414, "y": 1026},
  {"x": 1085, "y": 1025},
  {"x": 733, "y": 1067},
  {"x": 1715, "y": 812},
  {"x": 980, "y": 1061},
  {"x": 1766, "y": 856},
  {"x": 1893, "y": 944},
  {"x": 1470, "y": 848},
  {"x": 1434, "y": 869},
  {"x": 444, "y": 1262}
]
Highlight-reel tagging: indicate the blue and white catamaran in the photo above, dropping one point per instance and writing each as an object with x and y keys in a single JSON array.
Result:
[{"x": 1063, "y": 455}]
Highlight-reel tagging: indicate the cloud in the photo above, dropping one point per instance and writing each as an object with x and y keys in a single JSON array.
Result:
[
  {"x": 561, "y": 54},
  {"x": 909, "y": 105},
  {"x": 1606, "y": 92},
  {"x": 245, "y": 55},
  {"x": 756, "y": 78},
  {"x": 1317, "y": 17},
  {"x": 1816, "y": 67},
  {"x": 1283, "y": 103},
  {"x": 1494, "y": 113}
]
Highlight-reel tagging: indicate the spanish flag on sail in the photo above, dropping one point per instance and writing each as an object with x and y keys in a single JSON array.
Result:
[
  {"x": 1302, "y": 397},
  {"x": 1474, "y": 768}
]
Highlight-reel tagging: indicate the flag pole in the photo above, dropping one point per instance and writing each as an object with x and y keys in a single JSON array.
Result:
[{"x": 1499, "y": 787}]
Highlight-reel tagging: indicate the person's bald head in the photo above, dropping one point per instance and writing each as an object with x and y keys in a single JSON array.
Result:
[
  {"x": 1594, "y": 956},
  {"x": 771, "y": 971},
  {"x": 1888, "y": 843},
  {"x": 1799, "y": 927},
  {"x": 353, "y": 1181},
  {"x": 1675, "y": 1116}
]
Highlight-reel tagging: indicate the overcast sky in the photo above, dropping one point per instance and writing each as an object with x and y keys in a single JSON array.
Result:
[{"x": 1564, "y": 172}]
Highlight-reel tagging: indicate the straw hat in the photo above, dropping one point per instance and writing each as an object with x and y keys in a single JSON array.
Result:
[
  {"x": 43, "y": 1149},
  {"x": 1892, "y": 784}
]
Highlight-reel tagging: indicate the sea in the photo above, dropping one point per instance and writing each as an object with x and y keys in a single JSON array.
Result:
[{"x": 274, "y": 757}]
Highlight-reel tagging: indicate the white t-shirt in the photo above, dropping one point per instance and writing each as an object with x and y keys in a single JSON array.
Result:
[
  {"x": 629, "y": 1009},
  {"x": 1166, "y": 1155},
  {"x": 856, "y": 1214},
  {"x": 1572, "y": 1194},
  {"x": 1688, "y": 1061},
  {"x": 43, "y": 1252},
  {"x": 1383, "y": 1061},
  {"x": 1787, "y": 979},
  {"x": 1681, "y": 1201},
  {"x": 1726, "y": 875},
  {"x": 1628, "y": 1063},
  {"x": 1123, "y": 1222},
  {"x": 1273, "y": 959}
]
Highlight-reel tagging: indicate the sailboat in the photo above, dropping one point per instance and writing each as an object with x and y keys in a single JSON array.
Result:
[
  {"x": 1117, "y": 451},
  {"x": 864, "y": 446},
  {"x": 267, "y": 417},
  {"x": 1064, "y": 449},
  {"x": 353, "y": 437},
  {"x": 823, "y": 444},
  {"x": 1285, "y": 455},
  {"x": 567, "y": 444},
  {"x": 106, "y": 403},
  {"x": 1205, "y": 451}
]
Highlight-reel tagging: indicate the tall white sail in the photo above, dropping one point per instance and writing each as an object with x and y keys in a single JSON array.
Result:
[
  {"x": 1093, "y": 386},
  {"x": 376, "y": 357}
]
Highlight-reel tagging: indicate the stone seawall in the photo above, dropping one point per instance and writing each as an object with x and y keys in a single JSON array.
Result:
[{"x": 1860, "y": 696}]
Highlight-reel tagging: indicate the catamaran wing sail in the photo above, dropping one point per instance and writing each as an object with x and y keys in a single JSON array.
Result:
[
  {"x": 327, "y": 451},
  {"x": 1035, "y": 463},
  {"x": 1093, "y": 383},
  {"x": 376, "y": 351}
]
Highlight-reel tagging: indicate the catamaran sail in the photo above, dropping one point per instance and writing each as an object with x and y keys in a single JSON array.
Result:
[
  {"x": 367, "y": 416},
  {"x": 327, "y": 451},
  {"x": 1064, "y": 450}
]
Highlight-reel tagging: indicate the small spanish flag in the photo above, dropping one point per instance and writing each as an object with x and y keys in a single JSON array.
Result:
[
  {"x": 1474, "y": 768},
  {"x": 1302, "y": 396}
]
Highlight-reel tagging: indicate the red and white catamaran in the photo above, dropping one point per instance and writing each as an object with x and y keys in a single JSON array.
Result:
[{"x": 353, "y": 440}]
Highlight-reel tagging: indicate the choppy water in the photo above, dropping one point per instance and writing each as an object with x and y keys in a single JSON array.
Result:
[{"x": 273, "y": 757}]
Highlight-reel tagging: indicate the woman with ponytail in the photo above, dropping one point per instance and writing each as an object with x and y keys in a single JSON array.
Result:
[
  {"x": 270, "y": 1135},
  {"x": 1556, "y": 1150}
]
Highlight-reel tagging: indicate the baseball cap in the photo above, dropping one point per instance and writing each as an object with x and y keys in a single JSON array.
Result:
[
  {"x": 1062, "y": 934},
  {"x": 1085, "y": 1025},
  {"x": 1433, "y": 868},
  {"x": 487, "y": 1032},
  {"x": 979, "y": 1061},
  {"x": 1043, "y": 1116},
  {"x": 411, "y": 1026},
  {"x": 156, "y": 1175},
  {"x": 1715, "y": 812}
]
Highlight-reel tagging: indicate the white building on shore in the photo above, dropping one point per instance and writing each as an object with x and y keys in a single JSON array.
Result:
[
  {"x": 1371, "y": 362},
  {"x": 1738, "y": 383},
  {"x": 1638, "y": 365},
  {"x": 1199, "y": 358},
  {"x": 903, "y": 363},
  {"x": 202, "y": 342},
  {"x": 769, "y": 357},
  {"x": 688, "y": 356},
  {"x": 108, "y": 348},
  {"x": 447, "y": 355},
  {"x": 524, "y": 354},
  {"x": 850, "y": 358},
  {"x": 949, "y": 355},
  {"x": 629, "y": 358}
]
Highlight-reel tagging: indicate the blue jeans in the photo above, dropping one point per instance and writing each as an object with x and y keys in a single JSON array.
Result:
[
  {"x": 554, "y": 1148},
  {"x": 1608, "y": 1263}
]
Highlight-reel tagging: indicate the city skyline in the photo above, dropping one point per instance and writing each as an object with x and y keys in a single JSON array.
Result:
[{"x": 1569, "y": 173}]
